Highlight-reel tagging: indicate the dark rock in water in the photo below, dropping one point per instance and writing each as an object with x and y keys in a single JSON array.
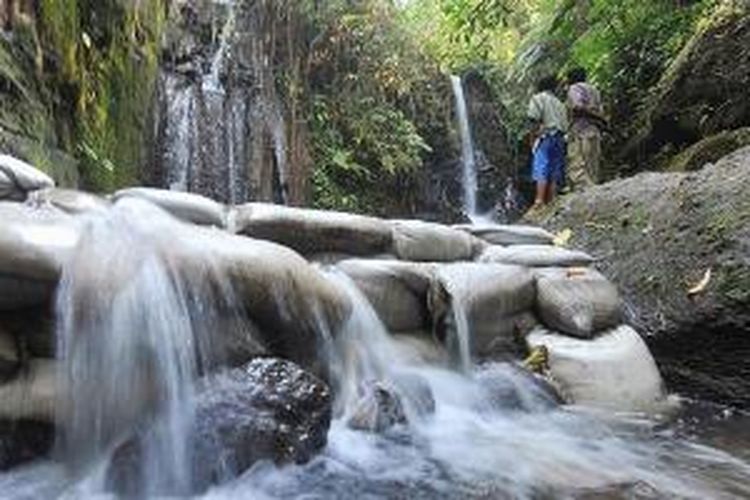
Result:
[
  {"x": 270, "y": 409},
  {"x": 663, "y": 235},
  {"x": 510, "y": 387},
  {"x": 23, "y": 441},
  {"x": 378, "y": 409}
]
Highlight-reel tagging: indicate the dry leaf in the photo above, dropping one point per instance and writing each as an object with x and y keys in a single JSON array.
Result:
[{"x": 701, "y": 286}]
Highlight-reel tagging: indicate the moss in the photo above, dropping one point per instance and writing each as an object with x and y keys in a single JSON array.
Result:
[
  {"x": 734, "y": 283},
  {"x": 709, "y": 150}
]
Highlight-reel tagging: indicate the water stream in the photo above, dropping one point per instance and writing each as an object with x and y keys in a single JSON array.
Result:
[
  {"x": 468, "y": 161},
  {"x": 136, "y": 330}
]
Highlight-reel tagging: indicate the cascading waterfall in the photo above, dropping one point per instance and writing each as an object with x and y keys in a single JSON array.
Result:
[
  {"x": 468, "y": 161},
  {"x": 133, "y": 337},
  {"x": 221, "y": 129}
]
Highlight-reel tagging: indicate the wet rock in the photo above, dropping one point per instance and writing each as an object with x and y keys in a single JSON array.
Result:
[
  {"x": 396, "y": 290},
  {"x": 615, "y": 370},
  {"x": 578, "y": 302},
  {"x": 270, "y": 409},
  {"x": 511, "y": 387},
  {"x": 18, "y": 178},
  {"x": 660, "y": 233},
  {"x": 31, "y": 394},
  {"x": 420, "y": 241},
  {"x": 312, "y": 231},
  {"x": 378, "y": 408},
  {"x": 23, "y": 441},
  {"x": 188, "y": 207},
  {"x": 10, "y": 356},
  {"x": 536, "y": 256}
]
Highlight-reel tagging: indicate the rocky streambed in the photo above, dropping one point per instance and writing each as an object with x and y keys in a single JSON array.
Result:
[{"x": 178, "y": 346}]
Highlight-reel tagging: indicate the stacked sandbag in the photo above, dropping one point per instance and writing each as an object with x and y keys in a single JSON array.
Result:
[
  {"x": 615, "y": 370},
  {"x": 396, "y": 290},
  {"x": 18, "y": 179},
  {"x": 188, "y": 207},
  {"x": 68, "y": 200},
  {"x": 34, "y": 244},
  {"x": 576, "y": 301},
  {"x": 312, "y": 232},
  {"x": 31, "y": 395},
  {"x": 493, "y": 299},
  {"x": 420, "y": 241},
  {"x": 536, "y": 256},
  {"x": 505, "y": 235}
]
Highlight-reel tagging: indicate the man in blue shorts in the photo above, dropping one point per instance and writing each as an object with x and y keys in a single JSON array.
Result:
[{"x": 549, "y": 120}]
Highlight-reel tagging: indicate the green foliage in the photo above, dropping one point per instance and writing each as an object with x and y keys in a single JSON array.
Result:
[{"x": 108, "y": 58}]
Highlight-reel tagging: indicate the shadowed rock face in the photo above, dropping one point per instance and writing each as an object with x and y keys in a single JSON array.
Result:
[
  {"x": 23, "y": 441},
  {"x": 270, "y": 409},
  {"x": 657, "y": 235}
]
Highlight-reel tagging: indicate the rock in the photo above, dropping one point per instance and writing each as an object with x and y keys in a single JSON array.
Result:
[
  {"x": 23, "y": 441},
  {"x": 687, "y": 104},
  {"x": 503, "y": 235},
  {"x": 510, "y": 387},
  {"x": 18, "y": 178},
  {"x": 187, "y": 207},
  {"x": 615, "y": 370},
  {"x": 578, "y": 302},
  {"x": 396, "y": 290},
  {"x": 536, "y": 256},
  {"x": 489, "y": 298},
  {"x": 312, "y": 231},
  {"x": 420, "y": 241},
  {"x": 270, "y": 409},
  {"x": 660, "y": 234},
  {"x": 709, "y": 150},
  {"x": 68, "y": 200},
  {"x": 378, "y": 409},
  {"x": 33, "y": 330},
  {"x": 31, "y": 395}
]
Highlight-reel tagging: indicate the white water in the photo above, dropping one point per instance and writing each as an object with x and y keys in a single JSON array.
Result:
[{"x": 468, "y": 160}]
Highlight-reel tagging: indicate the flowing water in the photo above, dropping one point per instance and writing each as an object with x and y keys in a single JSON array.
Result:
[
  {"x": 468, "y": 161},
  {"x": 136, "y": 331}
]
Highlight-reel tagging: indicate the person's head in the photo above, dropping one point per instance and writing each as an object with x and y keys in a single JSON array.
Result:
[
  {"x": 547, "y": 84},
  {"x": 577, "y": 75}
]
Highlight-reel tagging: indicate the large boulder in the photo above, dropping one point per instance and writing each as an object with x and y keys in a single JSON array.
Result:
[
  {"x": 270, "y": 409},
  {"x": 312, "y": 231},
  {"x": 677, "y": 246},
  {"x": 18, "y": 178},
  {"x": 702, "y": 93},
  {"x": 486, "y": 302},
  {"x": 396, "y": 290},
  {"x": 614, "y": 371}
]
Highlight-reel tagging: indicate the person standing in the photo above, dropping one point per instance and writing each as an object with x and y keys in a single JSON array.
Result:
[
  {"x": 549, "y": 123},
  {"x": 587, "y": 121}
]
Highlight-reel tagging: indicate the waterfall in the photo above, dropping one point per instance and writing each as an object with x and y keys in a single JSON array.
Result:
[
  {"x": 221, "y": 129},
  {"x": 468, "y": 161},
  {"x": 133, "y": 335}
]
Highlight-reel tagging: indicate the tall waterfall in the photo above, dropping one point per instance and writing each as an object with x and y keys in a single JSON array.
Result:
[
  {"x": 468, "y": 161},
  {"x": 221, "y": 129}
]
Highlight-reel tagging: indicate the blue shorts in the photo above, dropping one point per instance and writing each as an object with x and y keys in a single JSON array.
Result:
[{"x": 549, "y": 159}]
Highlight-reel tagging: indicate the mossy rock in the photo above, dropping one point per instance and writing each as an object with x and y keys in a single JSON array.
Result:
[{"x": 709, "y": 150}]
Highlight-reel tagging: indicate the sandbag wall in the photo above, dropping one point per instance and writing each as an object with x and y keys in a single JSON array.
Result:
[{"x": 516, "y": 289}]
